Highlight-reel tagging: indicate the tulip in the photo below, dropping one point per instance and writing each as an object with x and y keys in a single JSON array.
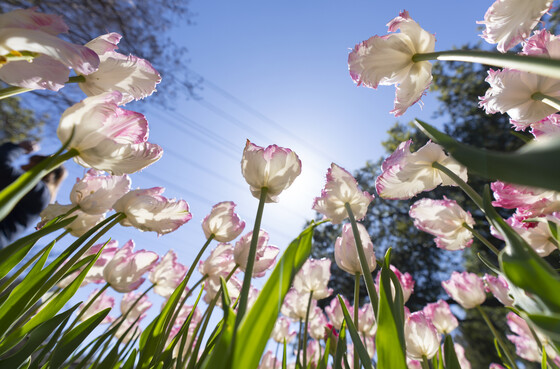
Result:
[
  {"x": 223, "y": 223},
  {"x": 443, "y": 219},
  {"x": 107, "y": 137},
  {"x": 499, "y": 287},
  {"x": 387, "y": 60},
  {"x": 265, "y": 255},
  {"x": 313, "y": 278},
  {"x": 167, "y": 274},
  {"x": 219, "y": 263},
  {"x": 148, "y": 210},
  {"x": 134, "y": 306},
  {"x": 441, "y": 316},
  {"x": 465, "y": 288},
  {"x": 295, "y": 305},
  {"x": 508, "y": 22},
  {"x": 367, "y": 325},
  {"x": 83, "y": 223},
  {"x": 96, "y": 193},
  {"x": 405, "y": 279},
  {"x": 335, "y": 314},
  {"x": 272, "y": 167},
  {"x": 422, "y": 338},
  {"x": 125, "y": 270},
  {"x": 281, "y": 330},
  {"x": 345, "y": 253},
  {"x": 101, "y": 302},
  {"x": 341, "y": 188},
  {"x": 134, "y": 77},
  {"x": 27, "y": 31},
  {"x": 406, "y": 174}
]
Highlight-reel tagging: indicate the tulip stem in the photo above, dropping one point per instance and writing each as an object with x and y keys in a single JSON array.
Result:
[
  {"x": 548, "y": 100},
  {"x": 542, "y": 66},
  {"x": 356, "y": 315},
  {"x": 482, "y": 239},
  {"x": 300, "y": 341},
  {"x": 370, "y": 285},
  {"x": 304, "y": 343},
  {"x": 76, "y": 79},
  {"x": 475, "y": 197},
  {"x": 244, "y": 295},
  {"x": 425, "y": 363},
  {"x": 12, "y": 91},
  {"x": 498, "y": 337}
]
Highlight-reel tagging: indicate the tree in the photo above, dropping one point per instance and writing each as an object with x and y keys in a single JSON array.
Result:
[{"x": 18, "y": 123}]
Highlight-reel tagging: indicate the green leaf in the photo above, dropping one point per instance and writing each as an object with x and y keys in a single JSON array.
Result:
[
  {"x": 129, "y": 363},
  {"x": 451, "y": 360},
  {"x": 340, "y": 347},
  {"x": 11, "y": 195},
  {"x": 71, "y": 340},
  {"x": 535, "y": 164},
  {"x": 48, "y": 311},
  {"x": 549, "y": 323},
  {"x": 221, "y": 355},
  {"x": 36, "y": 337},
  {"x": 11, "y": 255},
  {"x": 325, "y": 359},
  {"x": 389, "y": 340},
  {"x": 362, "y": 352},
  {"x": 256, "y": 326}
]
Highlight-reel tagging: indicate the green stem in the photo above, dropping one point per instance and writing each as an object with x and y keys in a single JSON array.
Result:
[
  {"x": 543, "y": 66},
  {"x": 370, "y": 284},
  {"x": 12, "y": 91},
  {"x": 356, "y": 315},
  {"x": 475, "y": 197},
  {"x": 482, "y": 239},
  {"x": 76, "y": 79},
  {"x": 244, "y": 295},
  {"x": 549, "y": 100},
  {"x": 304, "y": 344},
  {"x": 425, "y": 363},
  {"x": 300, "y": 342},
  {"x": 498, "y": 337}
]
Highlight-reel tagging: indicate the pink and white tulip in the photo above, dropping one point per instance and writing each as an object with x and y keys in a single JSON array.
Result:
[
  {"x": 223, "y": 223},
  {"x": 264, "y": 258},
  {"x": 499, "y": 287},
  {"x": 95, "y": 273},
  {"x": 464, "y": 363},
  {"x": 509, "y": 22},
  {"x": 313, "y": 277},
  {"x": 83, "y": 223},
  {"x": 530, "y": 202},
  {"x": 405, "y": 279},
  {"x": 346, "y": 255},
  {"x": 422, "y": 338},
  {"x": 334, "y": 312},
  {"x": 525, "y": 344},
  {"x": 317, "y": 323},
  {"x": 441, "y": 316},
  {"x": 282, "y": 331},
  {"x": 106, "y": 136},
  {"x": 167, "y": 274},
  {"x": 539, "y": 237},
  {"x": 213, "y": 285},
  {"x": 134, "y": 77},
  {"x": 96, "y": 193},
  {"x": 406, "y": 174},
  {"x": 511, "y": 91},
  {"x": 295, "y": 305},
  {"x": 102, "y": 302},
  {"x": 125, "y": 270},
  {"x": 443, "y": 219},
  {"x": 272, "y": 167},
  {"x": 25, "y": 30},
  {"x": 341, "y": 188},
  {"x": 220, "y": 262},
  {"x": 367, "y": 325},
  {"x": 134, "y": 306},
  {"x": 387, "y": 60},
  {"x": 465, "y": 288},
  {"x": 149, "y": 211}
]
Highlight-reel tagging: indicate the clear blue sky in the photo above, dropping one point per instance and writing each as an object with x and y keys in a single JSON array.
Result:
[{"x": 276, "y": 73}]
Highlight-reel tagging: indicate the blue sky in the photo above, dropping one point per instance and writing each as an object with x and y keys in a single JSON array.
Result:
[{"x": 275, "y": 72}]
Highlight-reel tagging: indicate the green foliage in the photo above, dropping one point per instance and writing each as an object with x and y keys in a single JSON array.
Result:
[{"x": 19, "y": 123}]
